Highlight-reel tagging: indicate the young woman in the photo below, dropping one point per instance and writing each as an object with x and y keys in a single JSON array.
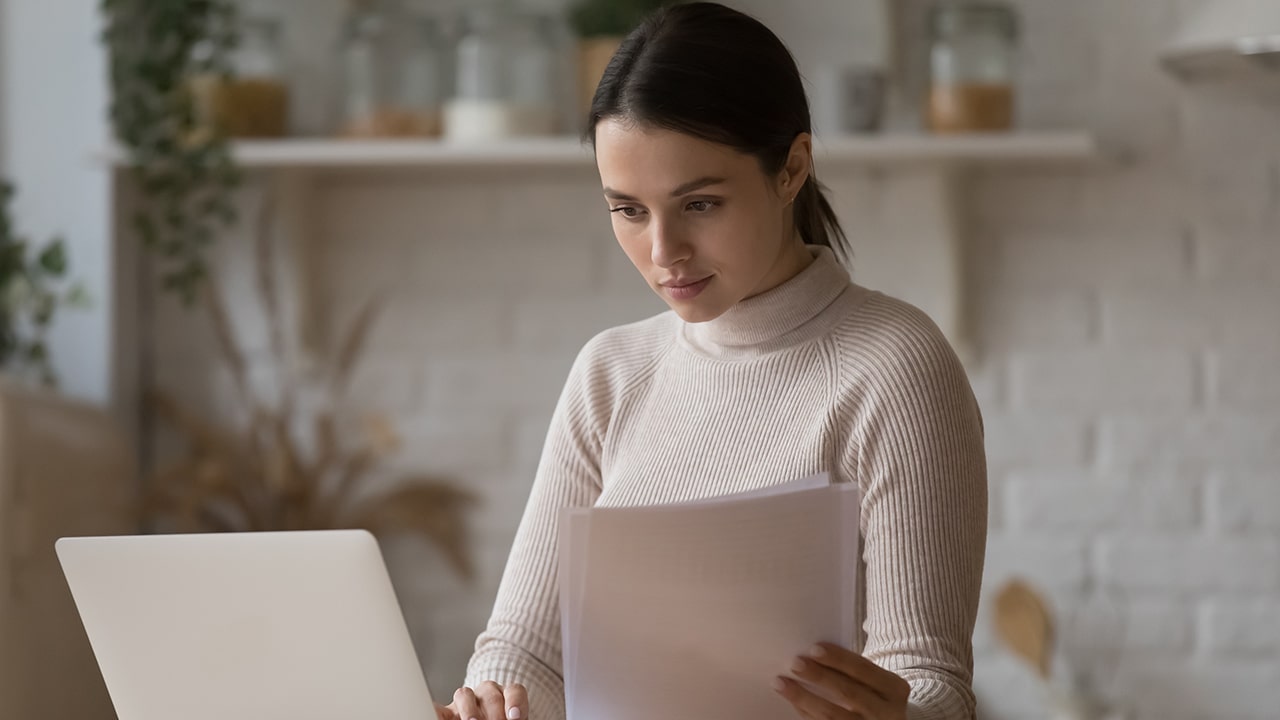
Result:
[{"x": 770, "y": 366}]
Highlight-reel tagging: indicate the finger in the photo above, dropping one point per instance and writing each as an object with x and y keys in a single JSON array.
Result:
[
  {"x": 841, "y": 689},
  {"x": 885, "y": 683},
  {"x": 810, "y": 705},
  {"x": 489, "y": 693},
  {"x": 517, "y": 702},
  {"x": 466, "y": 705},
  {"x": 445, "y": 713}
]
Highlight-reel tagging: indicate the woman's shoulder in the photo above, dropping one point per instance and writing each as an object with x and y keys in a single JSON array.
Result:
[
  {"x": 639, "y": 337},
  {"x": 884, "y": 331},
  {"x": 624, "y": 351},
  {"x": 897, "y": 359}
]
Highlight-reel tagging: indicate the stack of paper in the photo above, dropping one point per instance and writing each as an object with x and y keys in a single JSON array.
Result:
[{"x": 691, "y": 610}]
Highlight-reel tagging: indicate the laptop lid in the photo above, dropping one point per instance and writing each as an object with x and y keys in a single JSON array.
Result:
[{"x": 250, "y": 626}]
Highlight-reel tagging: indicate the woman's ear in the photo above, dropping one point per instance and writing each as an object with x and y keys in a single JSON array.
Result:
[{"x": 796, "y": 170}]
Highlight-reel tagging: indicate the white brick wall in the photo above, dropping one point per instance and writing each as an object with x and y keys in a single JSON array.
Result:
[
  {"x": 1075, "y": 502},
  {"x": 1245, "y": 502},
  {"x": 1178, "y": 563},
  {"x": 1128, "y": 316},
  {"x": 1242, "y": 628},
  {"x": 1178, "y": 688},
  {"x": 1094, "y": 381}
]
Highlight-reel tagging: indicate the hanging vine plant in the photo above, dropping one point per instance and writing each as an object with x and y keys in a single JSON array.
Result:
[
  {"x": 181, "y": 166},
  {"x": 32, "y": 290}
]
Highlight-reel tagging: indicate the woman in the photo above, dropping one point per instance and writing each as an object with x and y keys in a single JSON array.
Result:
[{"x": 772, "y": 366}]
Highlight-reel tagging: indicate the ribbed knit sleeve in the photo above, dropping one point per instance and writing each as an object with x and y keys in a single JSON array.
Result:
[
  {"x": 522, "y": 643},
  {"x": 919, "y": 457}
]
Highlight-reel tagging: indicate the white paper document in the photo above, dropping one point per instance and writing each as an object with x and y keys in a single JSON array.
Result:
[{"x": 691, "y": 610}]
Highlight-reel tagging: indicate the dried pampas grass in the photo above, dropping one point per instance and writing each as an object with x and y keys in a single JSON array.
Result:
[{"x": 288, "y": 469}]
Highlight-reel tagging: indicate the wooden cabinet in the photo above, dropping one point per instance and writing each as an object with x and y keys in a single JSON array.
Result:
[{"x": 65, "y": 469}]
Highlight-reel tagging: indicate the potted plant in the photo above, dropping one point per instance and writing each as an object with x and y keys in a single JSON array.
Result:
[
  {"x": 601, "y": 26},
  {"x": 183, "y": 169},
  {"x": 31, "y": 291}
]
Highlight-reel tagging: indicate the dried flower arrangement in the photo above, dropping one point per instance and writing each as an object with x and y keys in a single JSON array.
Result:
[{"x": 289, "y": 468}]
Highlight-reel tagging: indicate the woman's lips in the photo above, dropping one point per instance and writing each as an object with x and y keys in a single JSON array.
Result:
[{"x": 686, "y": 290}]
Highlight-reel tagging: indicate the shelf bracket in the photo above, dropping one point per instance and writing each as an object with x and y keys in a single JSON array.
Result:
[
  {"x": 921, "y": 252},
  {"x": 297, "y": 258}
]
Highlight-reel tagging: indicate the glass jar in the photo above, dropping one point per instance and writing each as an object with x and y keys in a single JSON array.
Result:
[
  {"x": 534, "y": 74},
  {"x": 254, "y": 101},
  {"x": 421, "y": 92},
  {"x": 482, "y": 107},
  {"x": 973, "y": 67},
  {"x": 369, "y": 105}
]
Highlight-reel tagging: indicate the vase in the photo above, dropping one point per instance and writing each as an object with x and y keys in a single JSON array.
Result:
[{"x": 594, "y": 54}]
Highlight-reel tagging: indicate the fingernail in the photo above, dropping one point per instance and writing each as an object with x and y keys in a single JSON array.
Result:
[
  {"x": 817, "y": 651},
  {"x": 779, "y": 685},
  {"x": 513, "y": 714},
  {"x": 799, "y": 665}
]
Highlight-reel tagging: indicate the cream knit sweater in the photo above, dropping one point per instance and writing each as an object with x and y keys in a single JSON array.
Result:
[{"x": 816, "y": 374}]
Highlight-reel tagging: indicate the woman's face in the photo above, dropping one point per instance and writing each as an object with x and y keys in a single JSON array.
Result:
[{"x": 704, "y": 225}]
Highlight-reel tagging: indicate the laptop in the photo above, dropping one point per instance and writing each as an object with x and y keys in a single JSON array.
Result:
[{"x": 246, "y": 626}]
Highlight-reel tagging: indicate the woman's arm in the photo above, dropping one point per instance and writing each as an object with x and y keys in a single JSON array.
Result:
[
  {"x": 522, "y": 643},
  {"x": 921, "y": 463}
]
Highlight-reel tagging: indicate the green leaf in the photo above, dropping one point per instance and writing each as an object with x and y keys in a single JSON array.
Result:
[
  {"x": 8, "y": 341},
  {"x": 78, "y": 297},
  {"x": 53, "y": 259},
  {"x": 37, "y": 352},
  {"x": 46, "y": 305}
]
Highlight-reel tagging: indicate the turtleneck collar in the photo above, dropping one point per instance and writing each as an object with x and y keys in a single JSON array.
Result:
[{"x": 776, "y": 318}]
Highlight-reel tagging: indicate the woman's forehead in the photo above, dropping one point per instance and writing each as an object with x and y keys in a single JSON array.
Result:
[{"x": 648, "y": 159}]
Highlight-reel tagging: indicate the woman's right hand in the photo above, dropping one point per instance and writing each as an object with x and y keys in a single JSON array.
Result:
[{"x": 489, "y": 701}]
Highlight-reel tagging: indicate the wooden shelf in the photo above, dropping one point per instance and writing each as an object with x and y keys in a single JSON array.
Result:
[
  {"x": 925, "y": 172},
  {"x": 874, "y": 150},
  {"x": 957, "y": 149}
]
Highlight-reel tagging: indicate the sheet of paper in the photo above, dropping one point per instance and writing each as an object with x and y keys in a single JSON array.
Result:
[
  {"x": 575, "y": 528},
  {"x": 574, "y": 537},
  {"x": 698, "y": 606}
]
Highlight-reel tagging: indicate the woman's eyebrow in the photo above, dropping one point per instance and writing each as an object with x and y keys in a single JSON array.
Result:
[
  {"x": 684, "y": 189},
  {"x": 698, "y": 184},
  {"x": 615, "y": 195}
]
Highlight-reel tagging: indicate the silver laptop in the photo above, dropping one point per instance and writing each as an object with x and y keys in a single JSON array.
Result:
[{"x": 250, "y": 626}]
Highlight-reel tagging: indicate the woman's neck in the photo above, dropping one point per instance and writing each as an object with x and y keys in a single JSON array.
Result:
[{"x": 793, "y": 258}]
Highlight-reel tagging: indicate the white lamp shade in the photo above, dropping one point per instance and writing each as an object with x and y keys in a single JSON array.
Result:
[{"x": 1222, "y": 37}]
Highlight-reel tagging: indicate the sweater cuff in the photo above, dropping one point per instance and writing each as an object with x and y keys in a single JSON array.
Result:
[
  {"x": 546, "y": 688},
  {"x": 932, "y": 699}
]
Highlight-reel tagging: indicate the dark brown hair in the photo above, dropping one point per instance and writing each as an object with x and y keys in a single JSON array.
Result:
[{"x": 720, "y": 75}]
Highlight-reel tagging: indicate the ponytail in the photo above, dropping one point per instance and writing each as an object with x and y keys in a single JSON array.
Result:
[{"x": 816, "y": 220}]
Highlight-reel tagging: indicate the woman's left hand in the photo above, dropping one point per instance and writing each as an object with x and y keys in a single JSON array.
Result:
[{"x": 858, "y": 688}]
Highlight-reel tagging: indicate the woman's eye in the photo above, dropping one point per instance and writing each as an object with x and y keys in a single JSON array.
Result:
[
  {"x": 701, "y": 206},
  {"x": 626, "y": 211}
]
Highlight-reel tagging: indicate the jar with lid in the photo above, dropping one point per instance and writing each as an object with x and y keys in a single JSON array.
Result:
[
  {"x": 973, "y": 67},
  {"x": 254, "y": 101},
  {"x": 482, "y": 107}
]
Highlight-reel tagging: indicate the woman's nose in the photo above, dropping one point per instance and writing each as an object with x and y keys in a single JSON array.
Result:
[{"x": 668, "y": 245}]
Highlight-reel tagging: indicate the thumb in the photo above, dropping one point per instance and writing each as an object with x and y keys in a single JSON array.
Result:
[{"x": 446, "y": 713}]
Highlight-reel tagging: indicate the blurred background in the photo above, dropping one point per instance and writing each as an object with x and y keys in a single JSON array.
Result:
[{"x": 315, "y": 263}]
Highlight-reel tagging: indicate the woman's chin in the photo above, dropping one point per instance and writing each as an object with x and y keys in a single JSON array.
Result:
[{"x": 696, "y": 311}]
